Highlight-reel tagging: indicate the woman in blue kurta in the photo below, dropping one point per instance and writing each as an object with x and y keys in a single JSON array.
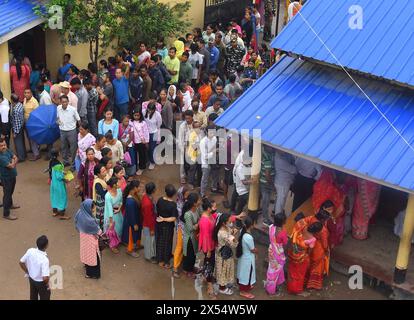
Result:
[
  {"x": 132, "y": 229},
  {"x": 112, "y": 213},
  {"x": 58, "y": 196},
  {"x": 246, "y": 268}
]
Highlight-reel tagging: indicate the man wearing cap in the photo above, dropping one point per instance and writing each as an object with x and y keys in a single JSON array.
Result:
[
  {"x": 35, "y": 265},
  {"x": 65, "y": 91},
  {"x": 214, "y": 53},
  {"x": 235, "y": 55}
]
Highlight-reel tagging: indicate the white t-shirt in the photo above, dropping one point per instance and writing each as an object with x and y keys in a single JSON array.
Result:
[
  {"x": 193, "y": 59},
  {"x": 4, "y": 110},
  {"x": 238, "y": 176},
  {"x": 37, "y": 264},
  {"x": 208, "y": 148}
]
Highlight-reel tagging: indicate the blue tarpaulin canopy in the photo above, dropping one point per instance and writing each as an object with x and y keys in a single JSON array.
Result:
[
  {"x": 318, "y": 113},
  {"x": 371, "y": 36}
]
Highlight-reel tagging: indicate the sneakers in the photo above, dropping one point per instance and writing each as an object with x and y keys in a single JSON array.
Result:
[
  {"x": 11, "y": 217},
  {"x": 151, "y": 166},
  {"x": 227, "y": 291},
  {"x": 139, "y": 172}
]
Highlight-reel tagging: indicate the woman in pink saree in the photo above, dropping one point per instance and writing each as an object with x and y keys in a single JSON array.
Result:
[
  {"x": 277, "y": 259},
  {"x": 366, "y": 203}
]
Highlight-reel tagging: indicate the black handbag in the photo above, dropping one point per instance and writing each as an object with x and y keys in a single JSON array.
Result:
[
  {"x": 103, "y": 242},
  {"x": 226, "y": 252}
]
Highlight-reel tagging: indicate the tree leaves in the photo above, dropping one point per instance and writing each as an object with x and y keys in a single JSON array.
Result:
[{"x": 129, "y": 21}]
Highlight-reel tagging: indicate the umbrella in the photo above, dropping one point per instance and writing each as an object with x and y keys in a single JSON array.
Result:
[{"x": 42, "y": 126}]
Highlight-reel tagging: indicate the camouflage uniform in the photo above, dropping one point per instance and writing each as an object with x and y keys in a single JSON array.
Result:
[{"x": 269, "y": 8}]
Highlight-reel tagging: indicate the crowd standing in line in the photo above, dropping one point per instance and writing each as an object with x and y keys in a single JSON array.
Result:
[{"x": 111, "y": 117}]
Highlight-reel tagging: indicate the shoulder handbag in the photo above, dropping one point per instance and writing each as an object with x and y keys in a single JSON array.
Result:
[{"x": 226, "y": 252}]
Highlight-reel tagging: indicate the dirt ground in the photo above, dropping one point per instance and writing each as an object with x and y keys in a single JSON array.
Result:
[{"x": 123, "y": 277}]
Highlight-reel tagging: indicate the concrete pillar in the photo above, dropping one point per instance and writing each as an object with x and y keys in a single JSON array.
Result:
[
  {"x": 5, "y": 84},
  {"x": 254, "y": 193},
  {"x": 403, "y": 256}
]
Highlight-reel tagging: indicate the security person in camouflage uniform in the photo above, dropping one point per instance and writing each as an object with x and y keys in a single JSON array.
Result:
[{"x": 269, "y": 13}]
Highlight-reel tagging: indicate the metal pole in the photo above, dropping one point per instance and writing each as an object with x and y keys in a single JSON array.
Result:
[{"x": 277, "y": 18}]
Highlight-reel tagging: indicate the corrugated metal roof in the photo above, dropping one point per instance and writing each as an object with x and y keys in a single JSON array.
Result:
[
  {"x": 317, "y": 112},
  {"x": 384, "y": 47},
  {"x": 15, "y": 14}
]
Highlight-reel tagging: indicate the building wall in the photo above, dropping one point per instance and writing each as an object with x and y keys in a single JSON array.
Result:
[
  {"x": 80, "y": 53},
  {"x": 5, "y": 85},
  {"x": 196, "y": 12}
]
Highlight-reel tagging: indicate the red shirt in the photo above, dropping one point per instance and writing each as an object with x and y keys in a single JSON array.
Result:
[{"x": 148, "y": 214}]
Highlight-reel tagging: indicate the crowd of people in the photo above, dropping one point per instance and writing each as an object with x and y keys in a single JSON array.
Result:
[{"x": 111, "y": 117}]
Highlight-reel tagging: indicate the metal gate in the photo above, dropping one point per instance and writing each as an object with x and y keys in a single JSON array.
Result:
[{"x": 222, "y": 11}]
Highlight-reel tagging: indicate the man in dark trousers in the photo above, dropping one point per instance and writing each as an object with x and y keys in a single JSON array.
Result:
[
  {"x": 35, "y": 264},
  {"x": 8, "y": 174}
]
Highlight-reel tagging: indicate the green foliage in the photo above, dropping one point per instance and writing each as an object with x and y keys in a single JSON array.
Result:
[
  {"x": 99, "y": 22},
  {"x": 148, "y": 20}
]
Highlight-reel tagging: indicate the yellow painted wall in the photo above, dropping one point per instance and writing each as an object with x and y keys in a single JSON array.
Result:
[
  {"x": 80, "y": 53},
  {"x": 54, "y": 51},
  {"x": 195, "y": 14},
  {"x": 4, "y": 70}
]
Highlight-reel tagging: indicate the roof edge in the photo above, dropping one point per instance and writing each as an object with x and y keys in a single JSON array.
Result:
[{"x": 18, "y": 31}]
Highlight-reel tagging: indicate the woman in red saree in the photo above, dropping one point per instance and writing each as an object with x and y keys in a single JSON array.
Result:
[
  {"x": 302, "y": 243},
  {"x": 327, "y": 188},
  {"x": 366, "y": 203}
]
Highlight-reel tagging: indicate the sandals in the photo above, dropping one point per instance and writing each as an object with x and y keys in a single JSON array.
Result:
[
  {"x": 176, "y": 275},
  {"x": 247, "y": 295},
  {"x": 167, "y": 266},
  {"x": 115, "y": 250}
]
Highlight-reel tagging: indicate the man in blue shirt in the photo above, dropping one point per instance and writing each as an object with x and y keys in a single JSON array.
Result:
[
  {"x": 214, "y": 53},
  {"x": 63, "y": 70},
  {"x": 8, "y": 174},
  {"x": 225, "y": 102},
  {"x": 121, "y": 91}
]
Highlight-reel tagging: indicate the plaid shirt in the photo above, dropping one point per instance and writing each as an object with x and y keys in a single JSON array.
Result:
[
  {"x": 17, "y": 118},
  {"x": 93, "y": 97}
]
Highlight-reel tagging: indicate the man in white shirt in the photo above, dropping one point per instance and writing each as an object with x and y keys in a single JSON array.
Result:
[
  {"x": 209, "y": 167},
  {"x": 44, "y": 96},
  {"x": 65, "y": 91},
  {"x": 4, "y": 115},
  {"x": 182, "y": 142},
  {"x": 241, "y": 173},
  {"x": 302, "y": 188},
  {"x": 35, "y": 264},
  {"x": 68, "y": 118}
]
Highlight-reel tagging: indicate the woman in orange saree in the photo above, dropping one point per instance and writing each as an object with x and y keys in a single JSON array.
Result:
[
  {"x": 327, "y": 188},
  {"x": 319, "y": 255},
  {"x": 298, "y": 253}
]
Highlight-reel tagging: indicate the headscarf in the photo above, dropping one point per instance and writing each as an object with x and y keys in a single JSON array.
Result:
[
  {"x": 84, "y": 220},
  {"x": 179, "y": 45},
  {"x": 175, "y": 93}
]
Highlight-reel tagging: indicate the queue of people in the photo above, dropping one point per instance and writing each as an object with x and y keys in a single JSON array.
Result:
[{"x": 111, "y": 118}]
